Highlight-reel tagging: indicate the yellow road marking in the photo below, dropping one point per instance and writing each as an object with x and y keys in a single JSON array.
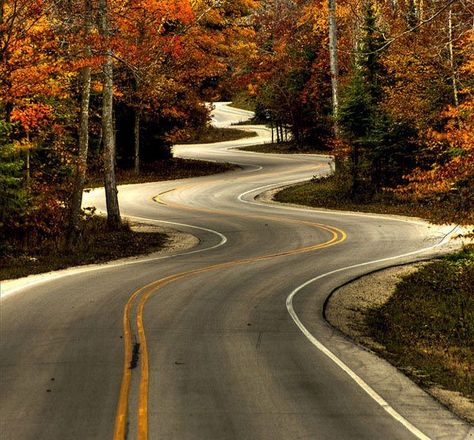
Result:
[
  {"x": 158, "y": 200},
  {"x": 338, "y": 236}
]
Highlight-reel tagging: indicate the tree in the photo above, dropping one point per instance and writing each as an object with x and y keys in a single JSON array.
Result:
[
  {"x": 359, "y": 109},
  {"x": 334, "y": 62},
  {"x": 114, "y": 220},
  {"x": 13, "y": 196},
  {"x": 74, "y": 231}
]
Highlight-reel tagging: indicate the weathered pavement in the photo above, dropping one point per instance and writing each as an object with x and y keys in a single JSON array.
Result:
[{"x": 224, "y": 352}]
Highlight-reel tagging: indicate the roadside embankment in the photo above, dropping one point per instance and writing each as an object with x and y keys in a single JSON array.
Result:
[
  {"x": 332, "y": 192},
  {"x": 211, "y": 134},
  {"x": 98, "y": 246},
  {"x": 419, "y": 317},
  {"x": 159, "y": 171}
]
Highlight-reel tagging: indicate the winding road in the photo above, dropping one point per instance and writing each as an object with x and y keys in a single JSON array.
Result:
[{"x": 223, "y": 341}]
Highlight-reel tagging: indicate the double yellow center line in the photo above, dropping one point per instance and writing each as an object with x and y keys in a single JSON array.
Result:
[{"x": 144, "y": 293}]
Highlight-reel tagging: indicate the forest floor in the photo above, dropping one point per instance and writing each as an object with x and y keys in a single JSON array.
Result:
[
  {"x": 171, "y": 169},
  {"x": 243, "y": 102},
  {"x": 99, "y": 245},
  {"x": 419, "y": 317}
]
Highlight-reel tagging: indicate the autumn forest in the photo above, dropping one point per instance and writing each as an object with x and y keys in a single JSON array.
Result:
[{"x": 92, "y": 87}]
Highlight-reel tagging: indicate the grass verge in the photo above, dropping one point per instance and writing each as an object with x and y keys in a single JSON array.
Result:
[
  {"x": 284, "y": 148},
  {"x": 427, "y": 326},
  {"x": 243, "y": 102},
  {"x": 333, "y": 193},
  {"x": 99, "y": 245},
  {"x": 212, "y": 134},
  {"x": 172, "y": 169}
]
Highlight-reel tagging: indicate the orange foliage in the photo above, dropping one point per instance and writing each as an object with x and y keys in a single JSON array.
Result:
[{"x": 33, "y": 116}]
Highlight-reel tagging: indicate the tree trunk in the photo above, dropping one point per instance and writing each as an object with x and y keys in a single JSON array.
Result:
[
  {"x": 355, "y": 170},
  {"x": 451, "y": 58},
  {"x": 334, "y": 68},
  {"x": 74, "y": 232},
  {"x": 334, "y": 64},
  {"x": 136, "y": 135},
  {"x": 421, "y": 8},
  {"x": 114, "y": 220},
  {"x": 28, "y": 155}
]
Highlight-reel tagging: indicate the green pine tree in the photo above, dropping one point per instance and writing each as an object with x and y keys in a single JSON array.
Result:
[
  {"x": 381, "y": 148},
  {"x": 13, "y": 196}
]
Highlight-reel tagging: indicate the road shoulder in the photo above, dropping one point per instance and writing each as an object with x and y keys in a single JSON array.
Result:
[{"x": 347, "y": 307}]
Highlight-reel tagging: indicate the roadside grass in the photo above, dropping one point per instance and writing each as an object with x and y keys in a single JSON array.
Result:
[
  {"x": 253, "y": 121},
  {"x": 333, "y": 192},
  {"x": 243, "y": 102},
  {"x": 427, "y": 326},
  {"x": 285, "y": 148},
  {"x": 172, "y": 169},
  {"x": 98, "y": 245},
  {"x": 212, "y": 134}
]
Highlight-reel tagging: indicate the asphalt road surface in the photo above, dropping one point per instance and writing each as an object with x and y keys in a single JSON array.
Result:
[{"x": 225, "y": 341}]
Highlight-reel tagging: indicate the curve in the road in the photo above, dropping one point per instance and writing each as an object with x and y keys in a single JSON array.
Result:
[
  {"x": 144, "y": 293},
  {"x": 225, "y": 359}
]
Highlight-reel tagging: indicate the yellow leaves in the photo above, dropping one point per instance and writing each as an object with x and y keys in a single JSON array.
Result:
[
  {"x": 23, "y": 145},
  {"x": 96, "y": 87},
  {"x": 252, "y": 89}
]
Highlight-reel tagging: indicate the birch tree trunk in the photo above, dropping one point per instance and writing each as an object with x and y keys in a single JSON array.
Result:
[
  {"x": 74, "y": 232},
  {"x": 334, "y": 63},
  {"x": 451, "y": 58},
  {"x": 114, "y": 220},
  {"x": 136, "y": 141},
  {"x": 334, "y": 67},
  {"x": 28, "y": 155}
]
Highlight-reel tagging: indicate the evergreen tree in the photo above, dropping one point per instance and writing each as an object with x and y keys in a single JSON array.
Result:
[
  {"x": 13, "y": 199},
  {"x": 381, "y": 148}
]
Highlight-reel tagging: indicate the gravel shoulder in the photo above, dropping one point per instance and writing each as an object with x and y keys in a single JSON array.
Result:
[
  {"x": 346, "y": 310},
  {"x": 176, "y": 241}
]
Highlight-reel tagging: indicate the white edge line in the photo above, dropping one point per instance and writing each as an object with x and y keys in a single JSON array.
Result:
[
  {"x": 289, "y": 305},
  {"x": 81, "y": 270},
  {"x": 367, "y": 388}
]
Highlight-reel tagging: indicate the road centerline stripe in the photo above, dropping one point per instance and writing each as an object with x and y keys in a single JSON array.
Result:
[{"x": 145, "y": 293}]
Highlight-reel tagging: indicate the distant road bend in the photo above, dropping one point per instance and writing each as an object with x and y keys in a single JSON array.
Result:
[{"x": 223, "y": 341}]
